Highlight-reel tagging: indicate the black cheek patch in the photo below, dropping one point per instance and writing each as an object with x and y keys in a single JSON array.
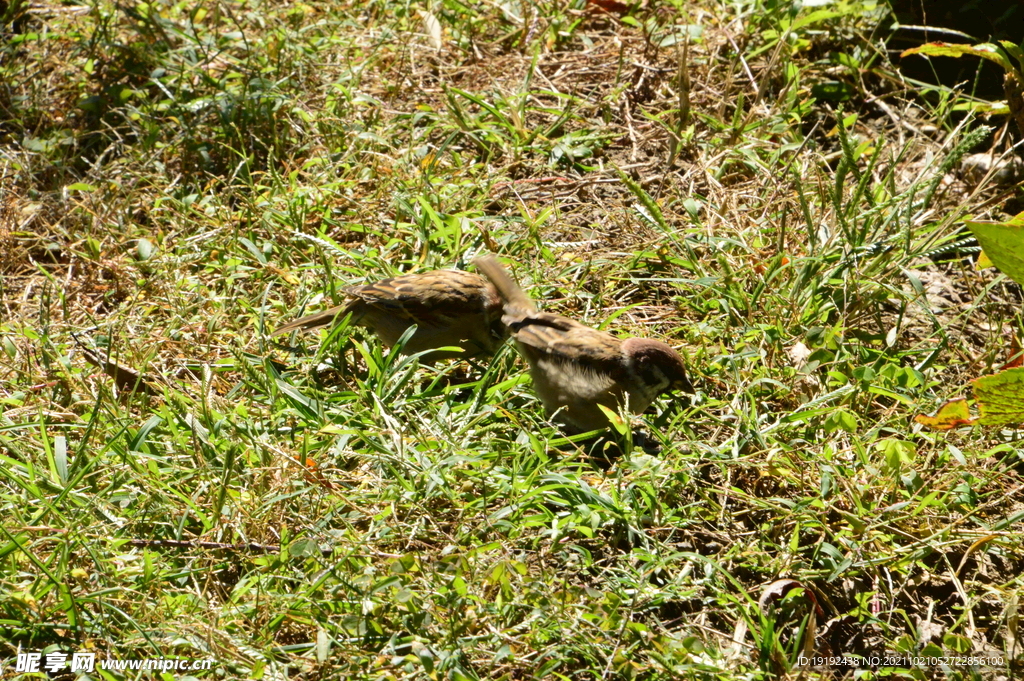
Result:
[{"x": 650, "y": 375}]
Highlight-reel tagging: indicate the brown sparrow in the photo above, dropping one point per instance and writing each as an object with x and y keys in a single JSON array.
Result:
[
  {"x": 576, "y": 368},
  {"x": 448, "y": 307}
]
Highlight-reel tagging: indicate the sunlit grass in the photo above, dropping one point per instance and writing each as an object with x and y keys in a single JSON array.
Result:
[{"x": 180, "y": 181}]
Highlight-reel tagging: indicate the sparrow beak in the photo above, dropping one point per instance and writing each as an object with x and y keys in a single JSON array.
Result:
[{"x": 682, "y": 385}]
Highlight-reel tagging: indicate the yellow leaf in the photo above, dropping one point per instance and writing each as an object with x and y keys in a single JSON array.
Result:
[
  {"x": 983, "y": 262},
  {"x": 950, "y": 415}
]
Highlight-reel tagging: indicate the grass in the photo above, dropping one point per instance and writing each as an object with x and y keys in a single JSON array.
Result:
[{"x": 753, "y": 182}]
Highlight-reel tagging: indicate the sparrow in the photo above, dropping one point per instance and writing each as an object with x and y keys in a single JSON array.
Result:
[
  {"x": 448, "y": 307},
  {"x": 576, "y": 368}
]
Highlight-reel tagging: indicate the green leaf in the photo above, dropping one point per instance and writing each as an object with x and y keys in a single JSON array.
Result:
[
  {"x": 616, "y": 421},
  {"x": 813, "y": 18},
  {"x": 303, "y": 548},
  {"x": 833, "y": 91},
  {"x": 841, "y": 419},
  {"x": 256, "y": 252},
  {"x": 1001, "y": 397},
  {"x": 60, "y": 457},
  {"x": 1003, "y": 243},
  {"x": 144, "y": 249},
  {"x": 897, "y": 452},
  {"x": 988, "y": 51},
  {"x": 1015, "y": 51}
]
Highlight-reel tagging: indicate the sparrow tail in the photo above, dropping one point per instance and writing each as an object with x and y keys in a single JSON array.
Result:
[
  {"x": 314, "y": 321},
  {"x": 514, "y": 297}
]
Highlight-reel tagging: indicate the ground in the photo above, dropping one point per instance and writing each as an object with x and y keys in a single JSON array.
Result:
[{"x": 758, "y": 184}]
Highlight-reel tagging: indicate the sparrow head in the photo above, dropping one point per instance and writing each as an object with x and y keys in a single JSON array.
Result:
[{"x": 657, "y": 365}]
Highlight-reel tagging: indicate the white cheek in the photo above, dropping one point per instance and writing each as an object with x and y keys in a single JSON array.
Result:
[{"x": 628, "y": 360}]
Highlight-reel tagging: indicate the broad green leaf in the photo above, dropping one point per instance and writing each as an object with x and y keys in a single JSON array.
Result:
[
  {"x": 984, "y": 50},
  {"x": 1015, "y": 50},
  {"x": 1003, "y": 243},
  {"x": 1001, "y": 397},
  {"x": 897, "y": 452},
  {"x": 303, "y": 548}
]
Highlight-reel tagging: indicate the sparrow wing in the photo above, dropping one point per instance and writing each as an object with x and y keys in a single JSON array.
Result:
[
  {"x": 431, "y": 298},
  {"x": 565, "y": 341}
]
